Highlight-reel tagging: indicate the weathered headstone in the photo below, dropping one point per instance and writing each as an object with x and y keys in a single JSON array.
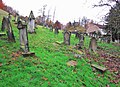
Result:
[
  {"x": 9, "y": 16},
  {"x": 31, "y": 23},
  {"x": 51, "y": 28},
  {"x": 6, "y": 26},
  {"x": 57, "y": 26},
  {"x": 93, "y": 44},
  {"x": 23, "y": 36},
  {"x": 76, "y": 35},
  {"x": 67, "y": 37},
  {"x": 3, "y": 24},
  {"x": 108, "y": 38},
  {"x": 81, "y": 39},
  {"x": 16, "y": 18},
  {"x": 50, "y": 25},
  {"x": 56, "y": 31}
]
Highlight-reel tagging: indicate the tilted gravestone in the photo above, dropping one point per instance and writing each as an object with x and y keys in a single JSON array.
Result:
[
  {"x": 31, "y": 23},
  {"x": 23, "y": 36},
  {"x": 6, "y": 26},
  {"x": 67, "y": 37}
]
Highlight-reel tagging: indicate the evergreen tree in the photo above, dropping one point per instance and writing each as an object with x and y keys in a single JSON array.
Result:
[{"x": 113, "y": 21}]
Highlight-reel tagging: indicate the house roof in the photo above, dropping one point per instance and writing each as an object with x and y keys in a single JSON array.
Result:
[{"x": 90, "y": 27}]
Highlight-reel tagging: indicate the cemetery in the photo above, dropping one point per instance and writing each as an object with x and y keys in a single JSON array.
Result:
[{"x": 38, "y": 54}]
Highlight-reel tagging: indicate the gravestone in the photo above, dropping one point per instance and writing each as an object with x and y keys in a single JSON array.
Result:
[
  {"x": 9, "y": 16},
  {"x": 51, "y": 28},
  {"x": 67, "y": 37},
  {"x": 57, "y": 26},
  {"x": 56, "y": 31},
  {"x": 107, "y": 38},
  {"x": 23, "y": 36},
  {"x": 3, "y": 24},
  {"x": 81, "y": 41},
  {"x": 31, "y": 23},
  {"x": 16, "y": 18},
  {"x": 93, "y": 44},
  {"x": 6, "y": 26},
  {"x": 50, "y": 25},
  {"x": 77, "y": 35}
]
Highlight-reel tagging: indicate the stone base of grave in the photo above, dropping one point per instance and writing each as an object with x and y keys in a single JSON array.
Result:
[
  {"x": 78, "y": 46},
  {"x": 15, "y": 23},
  {"x": 2, "y": 34},
  {"x": 32, "y": 32},
  {"x": 28, "y": 54}
]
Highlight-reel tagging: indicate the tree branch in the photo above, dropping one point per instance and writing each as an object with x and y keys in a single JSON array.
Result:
[{"x": 100, "y": 5}]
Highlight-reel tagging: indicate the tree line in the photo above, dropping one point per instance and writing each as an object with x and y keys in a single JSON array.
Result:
[{"x": 112, "y": 18}]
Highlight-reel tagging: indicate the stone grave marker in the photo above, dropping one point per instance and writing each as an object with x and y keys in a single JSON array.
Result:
[
  {"x": 3, "y": 24},
  {"x": 6, "y": 26},
  {"x": 50, "y": 25},
  {"x": 67, "y": 37},
  {"x": 23, "y": 36},
  {"x": 57, "y": 26},
  {"x": 93, "y": 44},
  {"x": 81, "y": 40},
  {"x": 31, "y": 23},
  {"x": 16, "y": 18}
]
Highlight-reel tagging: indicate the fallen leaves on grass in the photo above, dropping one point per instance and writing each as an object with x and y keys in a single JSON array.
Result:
[
  {"x": 112, "y": 62},
  {"x": 16, "y": 54}
]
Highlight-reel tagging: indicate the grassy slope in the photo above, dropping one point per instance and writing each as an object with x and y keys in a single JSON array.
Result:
[{"x": 49, "y": 67}]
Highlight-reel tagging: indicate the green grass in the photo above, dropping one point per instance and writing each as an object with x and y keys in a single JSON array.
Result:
[{"x": 48, "y": 68}]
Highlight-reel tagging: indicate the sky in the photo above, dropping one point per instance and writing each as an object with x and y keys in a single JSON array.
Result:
[{"x": 66, "y": 10}]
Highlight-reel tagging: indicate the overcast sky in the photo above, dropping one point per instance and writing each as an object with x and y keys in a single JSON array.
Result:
[{"x": 66, "y": 10}]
